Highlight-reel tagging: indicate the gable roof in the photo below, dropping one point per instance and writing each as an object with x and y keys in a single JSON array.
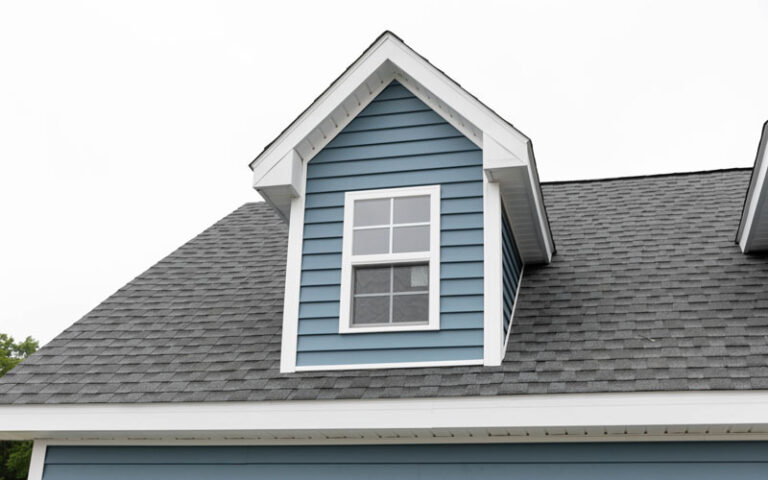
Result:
[
  {"x": 648, "y": 292},
  {"x": 508, "y": 158},
  {"x": 387, "y": 58}
]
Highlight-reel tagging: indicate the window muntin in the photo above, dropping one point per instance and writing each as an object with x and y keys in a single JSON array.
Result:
[
  {"x": 391, "y": 225},
  {"x": 388, "y": 294},
  {"x": 390, "y": 260}
]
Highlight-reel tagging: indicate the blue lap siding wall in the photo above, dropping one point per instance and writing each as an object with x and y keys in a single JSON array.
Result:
[
  {"x": 396, "y": 141},
  {"x": 597, "y": 461},
  {"x": 512, "y": 268}
]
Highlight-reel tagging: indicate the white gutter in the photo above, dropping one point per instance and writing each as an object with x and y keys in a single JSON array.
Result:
[{"x": 584, "y": 416}]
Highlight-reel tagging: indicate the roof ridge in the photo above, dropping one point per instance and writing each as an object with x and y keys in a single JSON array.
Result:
[{"x": 652, "y": 175}]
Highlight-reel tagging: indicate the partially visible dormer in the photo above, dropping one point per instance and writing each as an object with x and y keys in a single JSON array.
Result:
[
  {"x": 412, "y": 210},
  {"x": 752, "y": 236}
]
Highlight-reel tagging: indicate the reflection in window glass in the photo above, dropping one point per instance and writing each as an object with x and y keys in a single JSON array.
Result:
[
  {"x": 410, "y": 308},
  {"x": 390, "y": 294},
  {"x": 370, "y": 241},
  {"x": 411, "y": 209},
  {"x": 372, "y": 212},
  {"x": 410, "y": 239},
  {"x": 411, "y": 278},
  {"x": 371, "y": 310},
  {"x": 372, "y": 279}
]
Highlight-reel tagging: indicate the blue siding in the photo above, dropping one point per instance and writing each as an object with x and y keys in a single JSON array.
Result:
[
  {"x": 512, "y": 267},
  {"x": 598, "y": 461},
  {"x": 396, "y": 141}
]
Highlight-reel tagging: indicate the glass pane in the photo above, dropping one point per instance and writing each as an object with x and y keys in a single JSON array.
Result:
[
  {"x": 412, "y": 209},
  {"x": 369, "y": 310},
  {"x": 410, "y": 308},
  {"x": 410, "y": 239},
  {"x": 371, "y": 212},
  {"x": 411, "y": 278},
  {"x": 372, "y": 240},
  {"x": 372, "y": 279}
]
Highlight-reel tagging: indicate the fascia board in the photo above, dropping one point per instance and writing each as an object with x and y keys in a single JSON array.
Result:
[
  {"x": 599, "y": 410},
  {"x": 285, "y": 174},
  {"x": 533, "y": 172},
  {"x": 496, "y": 156},
  {"x": 321, "y": 108},
  {"x": 756, "y": 202},
  {"x": 282, "y": 183},
  {"x": 454, "y": 95},
  {"x": 502, "y": 166},
  {"x": 391, "y": 52},
  {"x": 390, "y": 48}
]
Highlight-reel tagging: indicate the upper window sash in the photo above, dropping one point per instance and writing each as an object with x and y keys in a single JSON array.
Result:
[{"x": 397, "y": 225}]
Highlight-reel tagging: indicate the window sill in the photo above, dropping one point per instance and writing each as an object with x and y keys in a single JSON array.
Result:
[{"x": 388, "y": 328}]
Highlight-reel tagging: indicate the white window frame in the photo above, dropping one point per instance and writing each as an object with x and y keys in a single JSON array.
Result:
[{"x": 348, "y": 261}]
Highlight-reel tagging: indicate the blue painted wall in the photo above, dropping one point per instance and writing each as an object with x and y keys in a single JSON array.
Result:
[
  {"x": 396, "y": 141},
  {"x": 597, "y": 461},
  {"x": 512, "y": 267}
]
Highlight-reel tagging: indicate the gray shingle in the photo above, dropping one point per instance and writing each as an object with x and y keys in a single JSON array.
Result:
[{"x": 647, "y": 292}]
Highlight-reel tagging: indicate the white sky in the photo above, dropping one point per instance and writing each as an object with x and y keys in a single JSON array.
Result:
[{"x": 126, "y": 127}]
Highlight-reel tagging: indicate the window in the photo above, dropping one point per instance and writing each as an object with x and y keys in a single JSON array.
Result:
[{"x": 391, "y": 260}]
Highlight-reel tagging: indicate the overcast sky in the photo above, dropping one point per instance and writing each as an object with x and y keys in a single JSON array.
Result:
[{"x": 126, "y": 127}]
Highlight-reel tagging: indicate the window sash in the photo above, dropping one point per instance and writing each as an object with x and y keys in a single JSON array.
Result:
[
  {"x": 392, "y": 225},
  {"x": 430, "y": 257},
  {"x": 391, "y": 294}
]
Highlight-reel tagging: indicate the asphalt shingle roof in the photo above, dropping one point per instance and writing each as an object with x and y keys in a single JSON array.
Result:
[{"x": 647, "y": 292}]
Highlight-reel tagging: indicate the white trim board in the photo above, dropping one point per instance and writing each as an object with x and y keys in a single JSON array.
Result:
[
  {"x": 368, "y": 366},
  {"x": 643, "y": 415},
  {"x": 431, "y": 257},
  {"x": 493, "y": 282},
  {"x": 510, "y": 160},
  {"x": 752, "y": 235},
  {"x": 376, "y": 438},
  {"x": 37, "y": 460},
  {"x": 291, "y": 296},
  {"x": 509, "y": 177}
]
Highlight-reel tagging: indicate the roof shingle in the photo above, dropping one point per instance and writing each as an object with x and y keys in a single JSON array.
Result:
[{"x": 647, "y": 292}]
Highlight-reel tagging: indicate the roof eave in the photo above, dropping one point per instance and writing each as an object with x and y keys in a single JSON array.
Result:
[
  {"x": 752, "y": 235},
  {"x": 387, "y": 59},
  {"x": 637, "y": 416}
]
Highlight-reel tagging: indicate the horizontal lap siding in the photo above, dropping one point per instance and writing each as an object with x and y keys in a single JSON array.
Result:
[
  {"x": 602, "y": 461},
  {"x": 512, "y": 267},
  {"x": 397, "y": 141}
]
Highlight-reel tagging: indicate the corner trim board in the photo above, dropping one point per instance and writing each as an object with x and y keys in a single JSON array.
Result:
[
  {"x": 37, "y": 462},
  {"x": 493, "y": 283},
  {"x": 292, "y": 285}
]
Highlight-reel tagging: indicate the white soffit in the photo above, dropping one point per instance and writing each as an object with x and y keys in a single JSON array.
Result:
[
  {"x": 509, "y": 160},
  {"x": 753, "y": 229}
]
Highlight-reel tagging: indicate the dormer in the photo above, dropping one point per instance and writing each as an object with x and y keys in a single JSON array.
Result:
[
  {"x": 412, "y": 210},
  {"x": 752, "y": 235}
]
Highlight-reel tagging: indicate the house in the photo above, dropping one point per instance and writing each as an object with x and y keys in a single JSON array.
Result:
[{"x": 412, "y": 302}]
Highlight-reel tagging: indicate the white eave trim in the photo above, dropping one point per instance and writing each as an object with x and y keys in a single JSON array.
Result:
[
  {"x": 753, "y": 228},
  {"x": 521, "y": 196},
  {"x": 493, "y": 283},
  {"x": 387, "y": 59},
  {"x": 523, "y": 417}
]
